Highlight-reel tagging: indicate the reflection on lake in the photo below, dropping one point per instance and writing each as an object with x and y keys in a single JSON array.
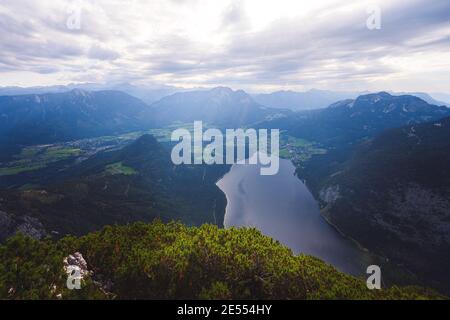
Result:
[{"x": 282, "y": 207}]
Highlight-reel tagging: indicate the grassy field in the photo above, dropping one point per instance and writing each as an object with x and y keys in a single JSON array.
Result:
[
  {"x": 9, "y": 171},
  {"x": 37, "y": 157},
  {"x": 119, "y": 168},
  {"x": 297, "y": 149}
]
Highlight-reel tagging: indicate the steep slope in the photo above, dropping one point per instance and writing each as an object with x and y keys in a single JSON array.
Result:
[
  {"x": 172, "y": 261},
  {"x": 393, "y": 196},
  {"x": 136, "y": 183},
  {"x": 222, "y": 107},
  {"x": 47, "y": 118}
]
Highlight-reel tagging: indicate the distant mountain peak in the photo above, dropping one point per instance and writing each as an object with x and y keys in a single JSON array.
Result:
[
  {"x": 222, "y": 89},
  {"x": 227, "y": 92},
  {"x": 375, "y": 97},
  {"x": 384, "y": 94},
  {"x": 219, "y": 106}
]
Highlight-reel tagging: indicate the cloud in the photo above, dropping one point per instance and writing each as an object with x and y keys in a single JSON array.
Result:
[
  {"x": 250, "y": 44},
  {"x": 101, "y": 53}
]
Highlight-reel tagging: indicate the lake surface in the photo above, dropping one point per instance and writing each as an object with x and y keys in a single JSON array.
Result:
[{"x": 282, "y": 207}]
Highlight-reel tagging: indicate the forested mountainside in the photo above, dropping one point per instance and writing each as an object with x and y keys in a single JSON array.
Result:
[
  {"x": 136, "y": 183},
  {"x": 159, "y": 261},
  {"x": 393, "y": 196},
  {"x": 344, "y": 125},
  {"x": 54, "y": 117}
]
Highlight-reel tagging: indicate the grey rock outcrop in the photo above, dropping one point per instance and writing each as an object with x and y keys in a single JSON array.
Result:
[
  {"x": 10, "y": 225},
  {"x": 330, "y": 194}
]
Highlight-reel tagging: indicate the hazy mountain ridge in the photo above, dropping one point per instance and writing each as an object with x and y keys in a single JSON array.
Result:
[
  {"x": 429, "y": 98},
  {"x": 220, "y": 106},
  {"x": 347, "y": 122},
  {"x": 285, "y": 99},
  {"x": 47, "y": 118},
  {"x": 320, "y": 99},
  {"x": 147, "y": 93},
  {"x": 298, "y": 101}
]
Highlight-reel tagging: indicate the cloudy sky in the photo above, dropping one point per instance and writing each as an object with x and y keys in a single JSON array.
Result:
[{"x": 257, "y": 45}]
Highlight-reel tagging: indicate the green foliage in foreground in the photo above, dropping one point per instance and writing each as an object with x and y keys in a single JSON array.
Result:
[{"x": 172, "y": 261}]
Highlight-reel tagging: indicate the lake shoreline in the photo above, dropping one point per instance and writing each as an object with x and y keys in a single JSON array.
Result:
[{"x": 283, "y": 208}]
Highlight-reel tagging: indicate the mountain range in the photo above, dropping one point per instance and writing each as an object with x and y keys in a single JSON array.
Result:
[
  {"x": 53, "y": 117},
  {"x": 320, "y": 99},
  {"x": 352, "y": 120},
  {"x": 436, "y": 99},
  {"x": 220, "y": 106},
  {"x": 298, "y": 101},
  {"x": 344, "y": 125},
  {"x": 147, "y": 93},
  {"x": 285, "y": 99}
]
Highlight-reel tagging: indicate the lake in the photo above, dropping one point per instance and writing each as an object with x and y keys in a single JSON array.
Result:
[{"x": 282, "y": 207}]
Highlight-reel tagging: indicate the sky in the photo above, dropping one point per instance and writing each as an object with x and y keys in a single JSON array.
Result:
[{"x": 255, "y": 45}]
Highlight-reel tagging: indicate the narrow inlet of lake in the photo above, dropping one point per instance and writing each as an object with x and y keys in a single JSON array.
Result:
[{"x": 282, "y": 207}]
